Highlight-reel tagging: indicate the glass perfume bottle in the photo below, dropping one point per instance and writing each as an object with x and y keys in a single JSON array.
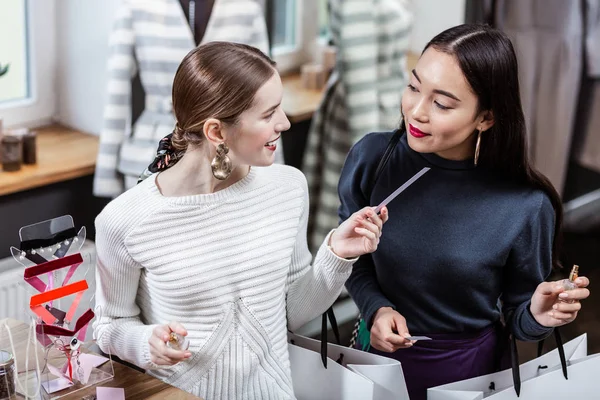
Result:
[
  {"x": 569, "y": 284},
  {"x": 178, "y": 342}
]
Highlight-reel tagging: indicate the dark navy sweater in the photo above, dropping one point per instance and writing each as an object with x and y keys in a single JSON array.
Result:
[{"x": 457, "y": 241}]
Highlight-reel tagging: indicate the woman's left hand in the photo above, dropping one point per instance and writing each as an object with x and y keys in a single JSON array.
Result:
[
  {"x": 552, "y": 306},
  {"x": 359, "y": 234}
]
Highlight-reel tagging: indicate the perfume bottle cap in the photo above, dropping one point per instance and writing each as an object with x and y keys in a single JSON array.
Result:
[
  {"x": 178, "y": 342},
  {"x": 574, "y": 273}
]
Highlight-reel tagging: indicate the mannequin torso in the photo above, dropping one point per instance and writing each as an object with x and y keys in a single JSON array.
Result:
[{"x": 200, "y": 10}]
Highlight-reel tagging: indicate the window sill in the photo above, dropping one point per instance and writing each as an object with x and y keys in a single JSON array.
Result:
[{"x": 62, "y": 154}]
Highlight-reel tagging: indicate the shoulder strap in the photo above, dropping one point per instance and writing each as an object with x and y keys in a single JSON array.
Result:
[{"x": 385, "y": 157}]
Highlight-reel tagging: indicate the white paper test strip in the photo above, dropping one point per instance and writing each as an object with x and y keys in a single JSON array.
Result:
[
  {"x": 401, "y": 189},
  {"x": 418, "y": 338}
]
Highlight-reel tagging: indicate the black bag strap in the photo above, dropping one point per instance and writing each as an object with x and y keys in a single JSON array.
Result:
[
  {"x": 561, "y": 352},
  {"x": 336, "y": 332},
  {"x": 386, "y": 156},
  {"x": 514, "y": 355}
]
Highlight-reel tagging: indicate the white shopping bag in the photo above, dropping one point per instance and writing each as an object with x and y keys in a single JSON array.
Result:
[
  {"x": 540, "y": 375},
  {"x": 361, "y": 375}
]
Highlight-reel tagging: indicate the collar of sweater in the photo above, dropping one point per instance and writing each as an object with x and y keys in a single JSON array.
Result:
[{"x": 239, "y": 187}]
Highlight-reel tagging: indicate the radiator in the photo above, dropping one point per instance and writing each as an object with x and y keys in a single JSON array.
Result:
[{"x": 15, "y": 292}]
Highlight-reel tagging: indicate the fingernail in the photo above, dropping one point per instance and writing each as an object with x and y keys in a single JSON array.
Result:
[
  {"x": 188, "y": 355},
  {"x": 555, "y": 307},
  {"x": 551, "y": 314},
  {"x": 557, "y": 287},
  {"x": 563, "y": 295}
]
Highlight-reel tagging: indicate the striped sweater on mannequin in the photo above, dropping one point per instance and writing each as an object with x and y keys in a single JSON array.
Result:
[
  {"x": 233, "y": 267},
  {"x": 362, "y": 95},
  {"x": 151, "y": 37}
]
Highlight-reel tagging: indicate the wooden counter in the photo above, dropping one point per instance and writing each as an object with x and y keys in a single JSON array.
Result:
[
  {"x": 62, "y": 154},
  {"x": 299, "y": 104}
]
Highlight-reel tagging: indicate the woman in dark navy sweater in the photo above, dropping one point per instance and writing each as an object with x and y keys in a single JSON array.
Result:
[{"x": 473, "y": 238}]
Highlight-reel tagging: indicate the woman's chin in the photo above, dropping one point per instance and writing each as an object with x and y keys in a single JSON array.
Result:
[{"x": 420, "y": 145}]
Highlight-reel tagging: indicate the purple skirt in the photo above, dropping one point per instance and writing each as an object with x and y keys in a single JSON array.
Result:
[{"x": 445, "y": 359}]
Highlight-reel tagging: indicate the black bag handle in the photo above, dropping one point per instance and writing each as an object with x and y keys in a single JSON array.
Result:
[
  {"x": 514, "y": 355},
  {"x": 336, "y": 332},
  {"x": 561, "y": 352}
]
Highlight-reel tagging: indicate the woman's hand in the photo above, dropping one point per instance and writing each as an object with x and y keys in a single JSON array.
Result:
[
  {"x": 552, "y": 306},
  {"x": 160, "y": 353},
  {"x": 359, "y": 234},
  {"x": 389, "y": 331}
]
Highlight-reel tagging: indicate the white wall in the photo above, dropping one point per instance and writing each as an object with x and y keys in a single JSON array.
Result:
[
  {"x": 432, "y": 17},
  {"x": 83, "y": 29}
]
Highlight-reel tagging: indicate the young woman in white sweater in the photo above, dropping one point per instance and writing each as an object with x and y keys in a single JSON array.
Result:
[{"x": 214, "y": 248}]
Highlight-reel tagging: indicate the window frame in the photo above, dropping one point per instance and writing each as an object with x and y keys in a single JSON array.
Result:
[
  {"x": 289, "y": 59},
  {"x": 39, "y": 108}
]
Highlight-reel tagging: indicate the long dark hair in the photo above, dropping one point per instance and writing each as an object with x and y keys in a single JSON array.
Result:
[{"x": 488, "y": 61}]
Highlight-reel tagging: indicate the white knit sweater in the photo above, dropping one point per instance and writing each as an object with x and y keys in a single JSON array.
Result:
[{"x": 233, "y": 267}]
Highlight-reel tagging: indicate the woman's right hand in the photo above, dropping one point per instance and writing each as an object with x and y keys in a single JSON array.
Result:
[
  {"x": 160, "y": 353},
  {"x": 389, "y": 331}
]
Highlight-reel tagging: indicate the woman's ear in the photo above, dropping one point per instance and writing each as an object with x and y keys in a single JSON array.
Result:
[
  {"x": 213, "y": 131},
  {"x": 486, "y": 121}
]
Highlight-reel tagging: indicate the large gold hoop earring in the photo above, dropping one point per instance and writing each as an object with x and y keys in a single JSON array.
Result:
[
  {"x": 221, "y": 164},
  {"x": 477, "y": 148}
]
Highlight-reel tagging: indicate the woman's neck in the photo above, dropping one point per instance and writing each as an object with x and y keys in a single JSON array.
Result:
[{"x": 193, "y": 175}]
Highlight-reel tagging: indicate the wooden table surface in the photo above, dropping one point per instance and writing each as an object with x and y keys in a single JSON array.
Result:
[
  {"x": 62, "y": 154},
  {"x": 299, "y": 104},
  {"x": 137, "y": 385}
]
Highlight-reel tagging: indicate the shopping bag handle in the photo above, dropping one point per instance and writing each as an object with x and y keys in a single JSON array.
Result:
[
  {"x": 561, "y": 351},
  {"x": 336, "y": 332},
  {"x": 514, "y": 355}
]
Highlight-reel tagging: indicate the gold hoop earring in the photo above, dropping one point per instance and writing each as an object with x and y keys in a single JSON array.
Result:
[
  {"x": 221, "y": 164},
  {"x": 477, "y": 148}
]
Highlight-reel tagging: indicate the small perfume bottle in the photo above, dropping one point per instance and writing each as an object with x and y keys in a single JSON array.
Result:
[
  {"x": 569, "y": 284},
  {"x": 178, "y": 342}
]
